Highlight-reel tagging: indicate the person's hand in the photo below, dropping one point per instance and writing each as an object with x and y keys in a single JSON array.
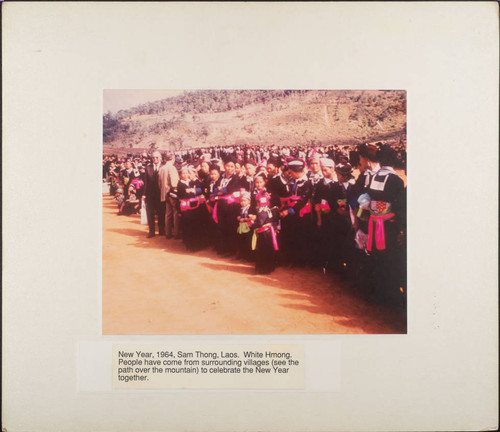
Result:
[{"x": 284, "y": 213}]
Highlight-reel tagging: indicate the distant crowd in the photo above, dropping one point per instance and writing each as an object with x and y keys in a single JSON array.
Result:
[{"x": 286, "y": 206}]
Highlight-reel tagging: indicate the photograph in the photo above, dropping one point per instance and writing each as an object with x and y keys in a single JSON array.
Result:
[
  {"x": 310, "y": 188},
  {"x": 254, "y": 212}
]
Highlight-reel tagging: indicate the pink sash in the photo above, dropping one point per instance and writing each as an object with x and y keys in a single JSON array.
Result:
[
  {"x": 306, "y": 209},
  {"x": 269, "y": 227},
  {"x": 292, "y": 200},
  {"x": 186, "y": 203},
  {"x": 230, "y": 199},
  {"x": 379, "y": 231}
]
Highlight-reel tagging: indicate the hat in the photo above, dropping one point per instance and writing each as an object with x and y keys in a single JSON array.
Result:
[
  {"x": 386, "y": 156},
  {"x": 229, "y": 158},
  {"x": 344, "y": 169},
  {"x": 296, "y": 165},
  {"x": 325, "y": 162}
]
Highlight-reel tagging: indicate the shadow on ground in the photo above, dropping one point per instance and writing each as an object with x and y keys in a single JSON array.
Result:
[{"x": 302, "y": 289}]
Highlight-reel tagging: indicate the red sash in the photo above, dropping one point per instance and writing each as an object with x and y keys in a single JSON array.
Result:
[
  {"x": 292, "y": 200},
  {"x": 230, "y": 199},
  {"x": 187, "y": 204},
  {"x": 268, "y": 227},
  {"x": 379, "y": 231}
]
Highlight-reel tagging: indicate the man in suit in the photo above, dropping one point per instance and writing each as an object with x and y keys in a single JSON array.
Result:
[
  {"x": 169, "y": 178},
  {"x": 152, "y": 196}
]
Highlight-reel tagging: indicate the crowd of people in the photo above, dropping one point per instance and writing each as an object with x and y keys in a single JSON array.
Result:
[{"x": 286, "y": 206}]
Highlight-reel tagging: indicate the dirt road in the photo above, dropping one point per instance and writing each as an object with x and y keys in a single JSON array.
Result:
[{"x": 153, "y": 286}]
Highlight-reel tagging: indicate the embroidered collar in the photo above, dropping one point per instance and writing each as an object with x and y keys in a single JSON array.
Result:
[
  {"x": 386, "y": 170},
  {"x": 283, "y": 179}
]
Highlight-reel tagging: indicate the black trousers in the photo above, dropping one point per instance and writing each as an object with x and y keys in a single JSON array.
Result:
[{"x": 156, "y": 208}]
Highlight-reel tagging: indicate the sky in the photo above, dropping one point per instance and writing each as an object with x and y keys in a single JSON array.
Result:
[{"x": 115, "y": 100}]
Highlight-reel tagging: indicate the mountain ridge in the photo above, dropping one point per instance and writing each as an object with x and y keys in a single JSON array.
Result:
[{"x": 206, "y": 118}]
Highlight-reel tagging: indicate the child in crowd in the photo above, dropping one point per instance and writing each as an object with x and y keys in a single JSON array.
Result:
[
  {"x": 264, "y": 241},
  {"x": 120, "y": 198},
  {"x": 132, "y": 204},
  {"x": 244, "y": 228}
]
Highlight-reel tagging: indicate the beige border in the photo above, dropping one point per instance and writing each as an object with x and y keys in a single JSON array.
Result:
[{"x": 57, "y": 58}]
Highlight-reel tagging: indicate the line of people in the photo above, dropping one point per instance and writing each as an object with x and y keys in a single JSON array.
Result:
[{"x": 279, "y": 206}]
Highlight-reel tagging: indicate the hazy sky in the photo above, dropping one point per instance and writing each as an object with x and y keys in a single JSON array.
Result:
[{"x": 115, "y": 100}]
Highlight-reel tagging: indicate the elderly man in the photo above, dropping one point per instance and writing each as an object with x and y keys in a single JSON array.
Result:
[
  {"x": 169, "y": 178},
  {"x": 152, "y": 195}
]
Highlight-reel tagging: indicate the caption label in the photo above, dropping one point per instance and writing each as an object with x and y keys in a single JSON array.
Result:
[{"x": 216, "y": 366}]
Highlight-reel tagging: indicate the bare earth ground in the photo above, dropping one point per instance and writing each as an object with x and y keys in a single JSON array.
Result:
[{"x": 152, "y": 286}]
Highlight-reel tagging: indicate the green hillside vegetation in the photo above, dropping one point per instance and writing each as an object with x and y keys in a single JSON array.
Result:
[{"x": 259, "y": 117}]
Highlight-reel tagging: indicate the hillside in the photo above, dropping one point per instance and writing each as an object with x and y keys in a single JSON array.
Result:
[{"x": 259, "y": 117}]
